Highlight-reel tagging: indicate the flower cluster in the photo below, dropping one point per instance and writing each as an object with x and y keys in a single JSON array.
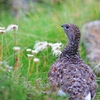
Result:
[
  {"x": 9, "y": 28},
  {"x": 56, "y": 48},
  {"x": 31, "y": 54},
  {"x": 40, "y": 46}
]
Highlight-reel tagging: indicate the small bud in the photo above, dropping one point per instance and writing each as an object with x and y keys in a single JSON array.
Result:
[
  {"x": 16, "y": 48},
  {"x": 34, "y": 52},
  {"x": 28, "y": 50},
  {"x": 30, "y": 56},
  {"x": 36, "y": 60},
  {"x": 2, "y": 30}
]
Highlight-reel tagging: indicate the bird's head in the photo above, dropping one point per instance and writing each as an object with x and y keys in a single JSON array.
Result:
[{"x": 72, "y": 32}]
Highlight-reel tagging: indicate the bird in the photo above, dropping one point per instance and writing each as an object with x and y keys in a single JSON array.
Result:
[{"x": 69, "y": 73}]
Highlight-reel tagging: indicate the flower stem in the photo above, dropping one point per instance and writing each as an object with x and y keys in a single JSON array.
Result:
[
  {"x": 32, "y": 68},
  {"x": 37, "y": 70},
  {"x": 2, "y": 47},
  {"x": 29, "y": 63},
  {"x": 14, "y": 46},
  {"x": 15, "y": 39}
]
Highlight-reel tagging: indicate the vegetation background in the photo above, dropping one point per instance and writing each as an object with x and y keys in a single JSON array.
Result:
[{"x": 37, "y": 20}]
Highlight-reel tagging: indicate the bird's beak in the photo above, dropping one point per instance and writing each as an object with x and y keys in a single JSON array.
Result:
[{"x": 62, "y": 26}]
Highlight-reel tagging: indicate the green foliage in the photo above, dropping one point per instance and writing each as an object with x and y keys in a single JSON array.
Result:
[
  {"x": 11, "y": 88},
  {"x": 43, "y": 22}
]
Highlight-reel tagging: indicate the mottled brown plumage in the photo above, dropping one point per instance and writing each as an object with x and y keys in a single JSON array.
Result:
[{"x": 69, "y": 72}]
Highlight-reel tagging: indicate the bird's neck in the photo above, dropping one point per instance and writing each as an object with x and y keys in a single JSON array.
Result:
[{"x": 71, "y": 49}]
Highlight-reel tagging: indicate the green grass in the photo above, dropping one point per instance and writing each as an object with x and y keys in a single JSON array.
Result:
[{"x": 43, "y": 22}]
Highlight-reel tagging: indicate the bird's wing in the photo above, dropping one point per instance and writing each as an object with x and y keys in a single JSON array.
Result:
[
  {"x": 89, "y": 76},
  {"x": 74, "y": 83}
]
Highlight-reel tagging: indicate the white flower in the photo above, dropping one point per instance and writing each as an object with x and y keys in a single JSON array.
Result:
[
  {"x": 12, "y": 27},
  {"x": 28, "y": 50},
  {"x": 16, "y": 48},
  {"x": 56, "y": 52},
  {"x": 55, "y": 45},
  {"x": 36, "y": 60},
  {"x": 30, "y": 56},
  {"x": 39, "y": 46},
  {"x": 34, "y": 52},
  {"x": 2, "y": 30},
  {"x": 56, "y": 48}
]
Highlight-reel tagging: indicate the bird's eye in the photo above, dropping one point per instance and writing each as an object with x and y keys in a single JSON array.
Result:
[{"x": 67, "y": 27}]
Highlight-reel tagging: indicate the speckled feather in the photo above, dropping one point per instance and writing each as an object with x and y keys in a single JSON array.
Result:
[{"x": 69, "y": 72}]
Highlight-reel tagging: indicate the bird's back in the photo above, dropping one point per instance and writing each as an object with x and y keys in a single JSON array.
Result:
[{"x": 73, "y": 76}]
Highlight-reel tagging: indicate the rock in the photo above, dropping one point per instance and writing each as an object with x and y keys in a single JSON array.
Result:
[
  {"x": 91, "y": 34},
  {"x": 18, "y": 6}
]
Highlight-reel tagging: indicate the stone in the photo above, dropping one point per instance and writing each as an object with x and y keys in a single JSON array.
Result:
[{"x": 91, "y": 36}]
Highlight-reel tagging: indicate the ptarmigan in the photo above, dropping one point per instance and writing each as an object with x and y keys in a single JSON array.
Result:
[{"x": 69, "y": 72}]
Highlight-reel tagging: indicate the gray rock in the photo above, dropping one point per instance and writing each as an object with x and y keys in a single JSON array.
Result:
[
  {"x": 91, "y": 34},
  {"x": 19, "y": 5}
]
